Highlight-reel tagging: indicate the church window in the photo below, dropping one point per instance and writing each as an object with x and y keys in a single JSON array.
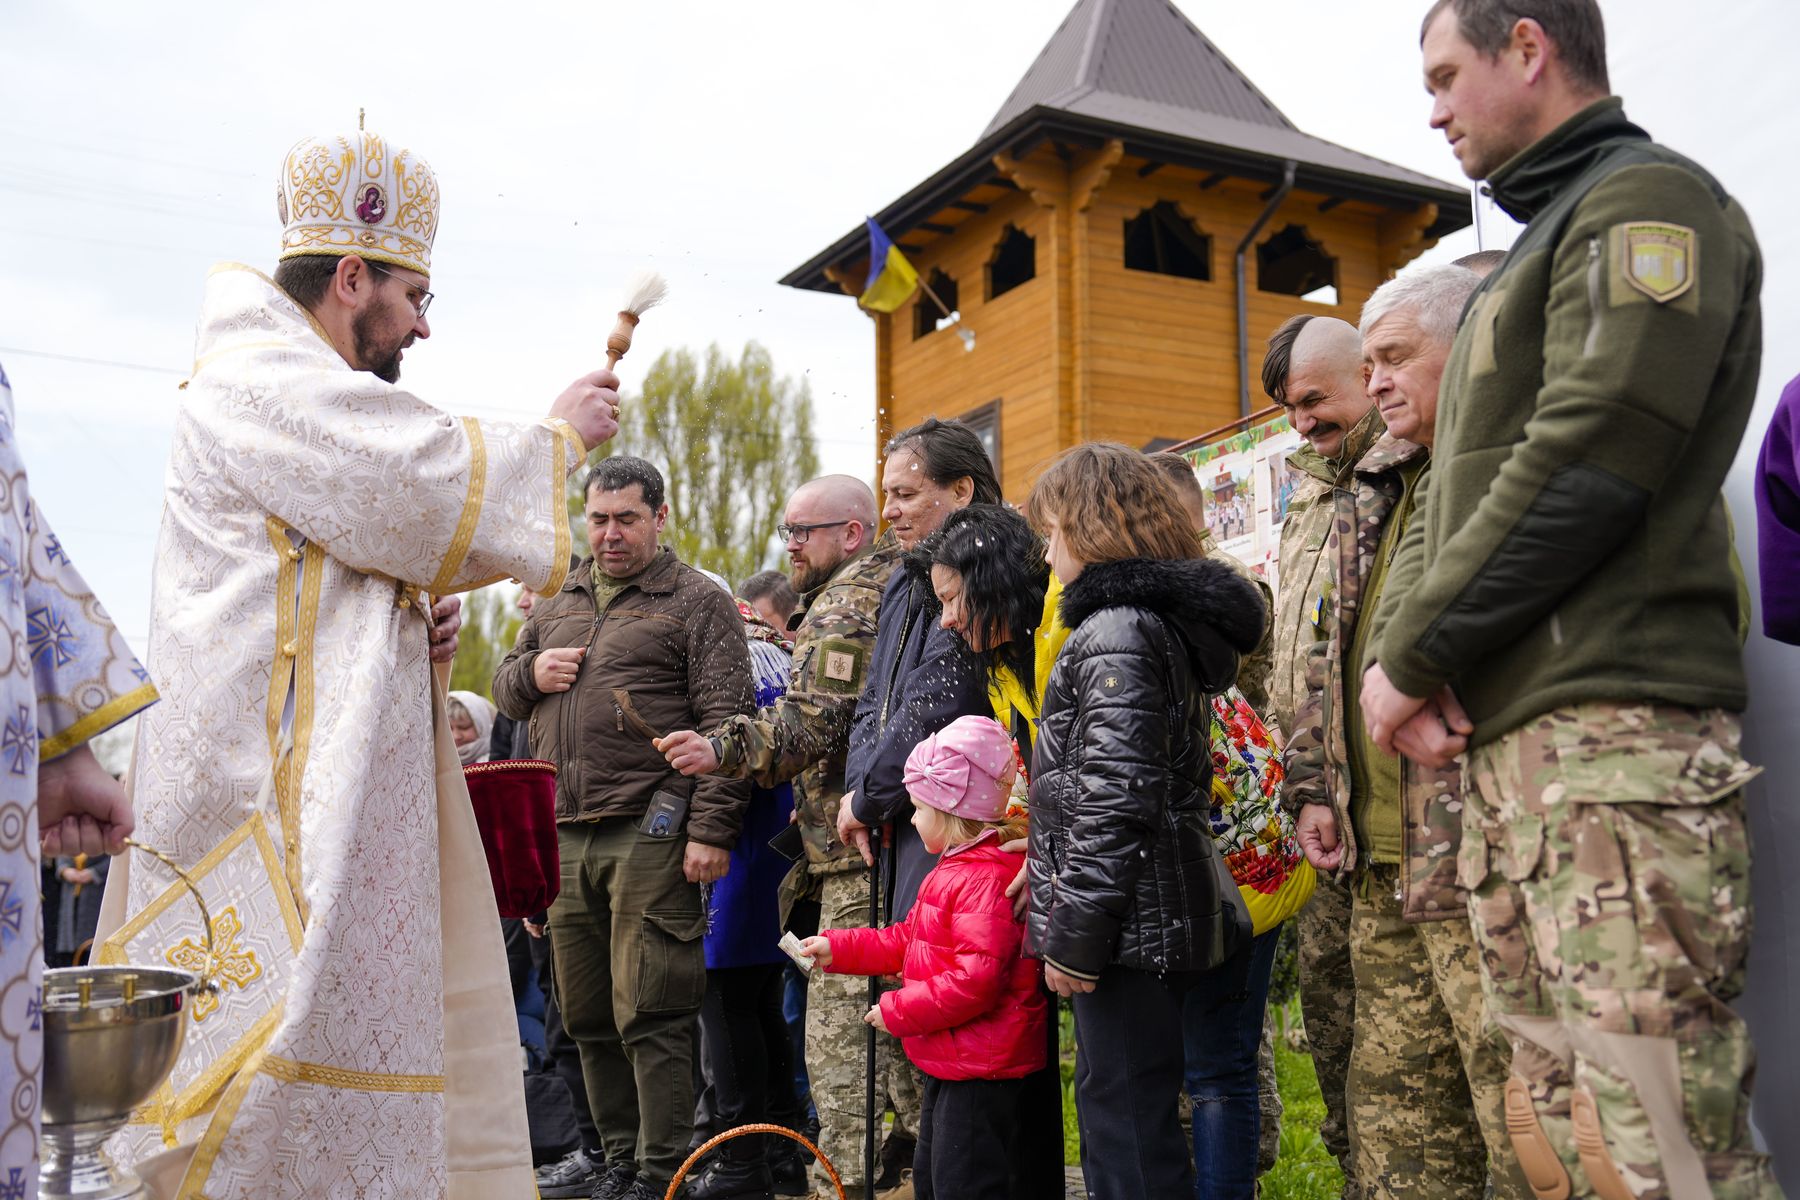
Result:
[
  {"x": 1161, "y": 239},
  {"x": 1014, "y": 262},
  {"x": 927, "y": 316},
  {"x": 984, "y": 422},
  {"x": 1291, "y": 263}
]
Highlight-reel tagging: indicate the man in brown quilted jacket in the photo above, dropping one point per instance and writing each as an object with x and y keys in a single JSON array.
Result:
[{"x": 635, "y": 646}]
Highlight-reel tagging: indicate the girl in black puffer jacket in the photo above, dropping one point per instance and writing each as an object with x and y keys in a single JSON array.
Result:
[{"x": 1128, "y": 898}]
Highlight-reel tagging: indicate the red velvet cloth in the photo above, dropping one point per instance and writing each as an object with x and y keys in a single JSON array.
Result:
[{"x": 515, "y": 807}]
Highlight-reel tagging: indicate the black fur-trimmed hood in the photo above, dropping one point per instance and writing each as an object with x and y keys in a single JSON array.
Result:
[{"x": 1186, "y": 592}]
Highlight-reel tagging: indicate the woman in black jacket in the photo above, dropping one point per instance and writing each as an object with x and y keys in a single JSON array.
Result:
[
  {"x": 1128, "y": 901},
  {"x": 920, "y": 677}
]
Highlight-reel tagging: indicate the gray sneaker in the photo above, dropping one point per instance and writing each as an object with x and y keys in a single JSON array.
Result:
[{"x": 574, "y": 1174}]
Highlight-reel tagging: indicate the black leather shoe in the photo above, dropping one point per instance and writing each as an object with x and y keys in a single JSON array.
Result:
[
  {"x": 730, "y": 1179},
  {"x": 617, "y": 1182},
  {"x": 575, "y": 1174},
  {"x": 787, "y": 1167}
]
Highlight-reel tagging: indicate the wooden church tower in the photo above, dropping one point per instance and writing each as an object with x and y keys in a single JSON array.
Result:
[{"x": 1128, "y": 230}]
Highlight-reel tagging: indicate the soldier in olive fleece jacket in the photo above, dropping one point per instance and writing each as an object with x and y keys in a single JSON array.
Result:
[
  {"x": 1568, "y": 573},
  {"x": 1571, "y": 544}
]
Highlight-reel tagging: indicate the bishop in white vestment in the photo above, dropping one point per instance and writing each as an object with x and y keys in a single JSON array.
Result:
[{"x": 362, "y": 1043}]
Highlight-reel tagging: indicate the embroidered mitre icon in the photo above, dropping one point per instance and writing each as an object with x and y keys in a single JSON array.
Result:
[{"x": 354, "y": 193}]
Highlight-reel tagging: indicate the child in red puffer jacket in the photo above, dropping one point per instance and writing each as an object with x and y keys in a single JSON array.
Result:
[{"x": 970, "y": 1013}]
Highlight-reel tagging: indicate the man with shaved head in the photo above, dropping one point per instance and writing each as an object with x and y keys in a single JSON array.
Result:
[
  {"x": 1314, "y": 370},
  {"x": 840, "y": 570},
  {"x": 1425, "y": 1083}
]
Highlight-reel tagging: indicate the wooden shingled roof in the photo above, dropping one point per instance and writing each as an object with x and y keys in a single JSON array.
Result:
[{"x": 1139, "y": 71}]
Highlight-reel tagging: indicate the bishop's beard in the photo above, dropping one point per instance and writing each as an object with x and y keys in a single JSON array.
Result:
[{"x": 373, "y": 349}]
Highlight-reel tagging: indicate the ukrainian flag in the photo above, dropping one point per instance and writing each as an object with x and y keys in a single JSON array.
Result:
[{"x": 892, "y": 280}]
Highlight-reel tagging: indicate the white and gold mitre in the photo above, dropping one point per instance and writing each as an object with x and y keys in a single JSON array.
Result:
[{"x": 353, "y": 193}]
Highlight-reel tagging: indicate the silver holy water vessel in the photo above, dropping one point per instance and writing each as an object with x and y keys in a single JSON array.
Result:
[{"x": 112, "y": 1034}]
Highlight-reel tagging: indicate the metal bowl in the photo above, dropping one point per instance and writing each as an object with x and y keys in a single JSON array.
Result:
[{"x": 111, "y": 1036}]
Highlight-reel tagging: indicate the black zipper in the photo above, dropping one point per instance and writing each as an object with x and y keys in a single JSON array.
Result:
[{"x": 887, "y": 698}]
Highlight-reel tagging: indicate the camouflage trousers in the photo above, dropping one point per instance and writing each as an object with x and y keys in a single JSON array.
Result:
[
  {"x": 1328, "y": 1008},
  {"x": 1268, "y": 1099},
  {"x": 1605, "y": 852},
  {"x": 837, "y": 1044},
  {"x": 1426, "y": 1086}
]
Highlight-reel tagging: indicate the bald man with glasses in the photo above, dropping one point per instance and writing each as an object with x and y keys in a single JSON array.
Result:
[{"x": 840, "y": 567}]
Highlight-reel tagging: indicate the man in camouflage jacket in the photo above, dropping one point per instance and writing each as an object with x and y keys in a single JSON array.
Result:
[
  {"x": 841, "y": 573},
  {"x": 1425, "y": 1083},
  {"x": 1313, "y": 369},
  {"x": 803, "y": 736}
]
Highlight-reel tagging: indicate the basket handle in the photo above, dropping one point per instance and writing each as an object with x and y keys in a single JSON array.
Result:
[{"x": 741, "y": 1131}]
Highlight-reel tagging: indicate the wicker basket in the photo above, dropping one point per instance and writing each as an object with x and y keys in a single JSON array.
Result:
[{"x": 712, "y": 1143}]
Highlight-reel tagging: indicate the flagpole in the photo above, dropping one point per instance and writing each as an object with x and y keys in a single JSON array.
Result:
[{"x": 926, "y": 288}]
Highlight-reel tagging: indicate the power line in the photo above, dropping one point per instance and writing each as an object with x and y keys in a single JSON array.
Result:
[
  {"x": 190, "y": 213},
  {"x": 94, "y": 362},
  {"x": 64, "y": 144}
]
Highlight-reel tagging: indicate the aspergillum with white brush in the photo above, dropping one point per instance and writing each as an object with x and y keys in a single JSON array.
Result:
[{"x": 645, "y": 292}]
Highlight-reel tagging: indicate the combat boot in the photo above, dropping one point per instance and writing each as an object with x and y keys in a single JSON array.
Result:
[
  {"x": 787, "y": 1167},
  {"x": 894, "y": 1182},
  {"x": 731, "y": 1178}
]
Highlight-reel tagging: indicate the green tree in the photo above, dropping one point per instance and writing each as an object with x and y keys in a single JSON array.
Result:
[
  {"x": 733, "y": 439},
  {"x": 491, "y": 620}
]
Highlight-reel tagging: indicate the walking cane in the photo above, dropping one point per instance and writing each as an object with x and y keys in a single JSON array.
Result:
[{"x": 875, "y": 910}]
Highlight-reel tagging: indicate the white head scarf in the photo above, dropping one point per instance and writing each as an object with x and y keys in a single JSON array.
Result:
[{"x": 482, "y": 713}]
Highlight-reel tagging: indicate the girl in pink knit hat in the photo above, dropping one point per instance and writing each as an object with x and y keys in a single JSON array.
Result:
[{"x": 969, "y": 1012}]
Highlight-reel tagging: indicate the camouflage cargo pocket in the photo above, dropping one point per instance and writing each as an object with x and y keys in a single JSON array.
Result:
[
  {"x": 1689, "y": 877},
  {"x": 1472, "y": 851},
  {"x": 1648, "y": 754},
  {"x": 1502, "y": 844},
  {"x": 1716, "y": 1066},
  {"x": 844, "y": 904},
  {"x": 1503, "y": 818}
]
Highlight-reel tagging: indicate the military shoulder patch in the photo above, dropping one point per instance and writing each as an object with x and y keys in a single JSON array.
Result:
[
  {"x": 837, "y": 665},
  {"x": 1657, "y": 259}
]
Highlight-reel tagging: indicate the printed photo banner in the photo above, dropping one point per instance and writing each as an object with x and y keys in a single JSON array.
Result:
[{"x": 1248, "y": 484}]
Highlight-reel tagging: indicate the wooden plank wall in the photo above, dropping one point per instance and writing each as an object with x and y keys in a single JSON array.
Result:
[
  {"x": 1164, "y": 349},
  {"x": 1013, "y": 360},
  {"x": 1131, "y": 355}
]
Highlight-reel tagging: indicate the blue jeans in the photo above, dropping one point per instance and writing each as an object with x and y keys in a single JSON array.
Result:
[{"x": 1222, "y": 1020}]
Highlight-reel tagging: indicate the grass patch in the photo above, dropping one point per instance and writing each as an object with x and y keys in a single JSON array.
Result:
[{"x": 1305, "y": 1170}]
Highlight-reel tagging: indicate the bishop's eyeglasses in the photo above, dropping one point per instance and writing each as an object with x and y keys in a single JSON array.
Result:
[{"x": 424, "y": 296}]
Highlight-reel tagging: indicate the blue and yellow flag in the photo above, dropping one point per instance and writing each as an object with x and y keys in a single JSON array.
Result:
[{"x": 892, "y": 280}]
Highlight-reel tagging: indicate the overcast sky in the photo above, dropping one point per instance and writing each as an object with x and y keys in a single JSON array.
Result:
[{"x": 722, "y": 143}]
